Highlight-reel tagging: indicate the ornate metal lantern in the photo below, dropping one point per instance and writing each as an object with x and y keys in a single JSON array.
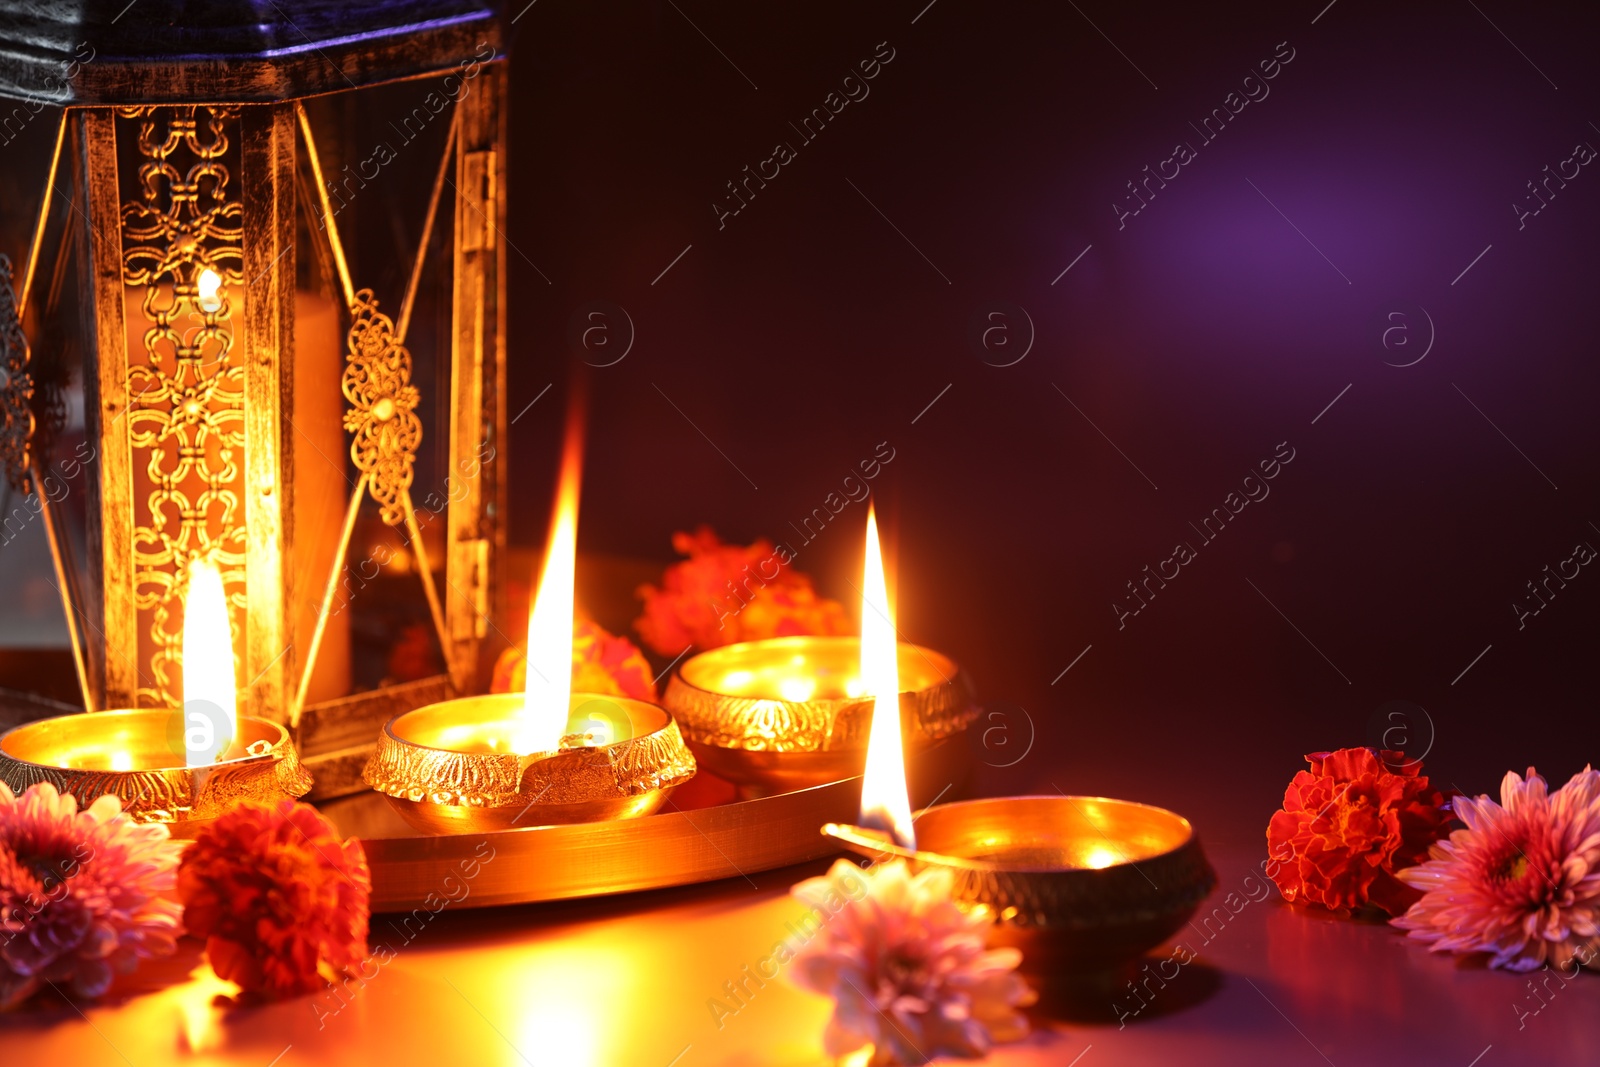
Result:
[{"x": 260, "y": 317}]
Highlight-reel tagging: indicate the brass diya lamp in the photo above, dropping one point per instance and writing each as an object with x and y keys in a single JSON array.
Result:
[
  {"x": 1082, "y": 884},
  {"x": 180, "y": 767},
  {"x": 128, "y": 753},
  {"x": 543, "y": 757},
  {"x": 789, "y": 713},
  {"x": 453, "y": 767}
]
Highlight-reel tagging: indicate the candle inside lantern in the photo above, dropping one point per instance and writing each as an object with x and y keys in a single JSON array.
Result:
[
  {"x": 548, "y": 685},
  {"x": 195, "y": 359},
  {"x": 208, "y": 288},
  {"x": 210, "y": 714},
  {"x": 885, "y": 804}
]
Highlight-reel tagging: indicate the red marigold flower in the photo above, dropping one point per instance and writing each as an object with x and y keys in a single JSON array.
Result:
[
  {"x": 1348, "y": 824},
  {"x": 601, "y": 663},
  {"x": 727, "y": 593},
  {"x": 276, "y": 896}
]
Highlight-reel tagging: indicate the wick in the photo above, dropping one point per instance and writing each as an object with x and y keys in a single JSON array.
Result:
[{"x": 878, "y": 821}]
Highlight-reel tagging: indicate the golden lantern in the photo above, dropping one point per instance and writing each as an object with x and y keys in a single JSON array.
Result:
[{"x": 260, "y": 312}]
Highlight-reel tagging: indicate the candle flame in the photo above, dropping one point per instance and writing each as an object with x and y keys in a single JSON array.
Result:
[
  {"x": 207, "y": 663},
  {"x": 549, "y": 674},
  {"x": 884, "y": 803},
  {"x": 207, "y": 287}
]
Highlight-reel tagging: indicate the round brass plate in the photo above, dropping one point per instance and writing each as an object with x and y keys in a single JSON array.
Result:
[{"x": 675, "y": 847}]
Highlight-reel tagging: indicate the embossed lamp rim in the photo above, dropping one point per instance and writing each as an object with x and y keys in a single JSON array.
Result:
[{"x": 439, "y": 788}]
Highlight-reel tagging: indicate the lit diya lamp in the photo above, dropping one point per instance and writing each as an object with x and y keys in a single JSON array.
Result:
[
  {"x": 789, "y": 713},
  {"x": 182, "y": 767},
  {"x": 544, "y": 756},
  {"x": 1082, "y": 883}
]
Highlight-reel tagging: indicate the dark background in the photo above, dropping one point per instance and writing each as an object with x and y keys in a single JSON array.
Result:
[
  {"x": 1368, "y": 598},
  {"x": 1197, "y": 338}
]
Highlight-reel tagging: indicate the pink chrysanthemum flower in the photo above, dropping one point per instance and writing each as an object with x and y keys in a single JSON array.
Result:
[
  {"x": 907, "y": 968},
  {"x": 79, "y": 892},
  {"x": 1521, "y": 882}
]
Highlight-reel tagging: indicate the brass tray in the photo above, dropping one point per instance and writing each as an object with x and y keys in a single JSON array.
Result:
[
  {"x": 678, "y": 846},
  {"x": 695, "y": 838}
]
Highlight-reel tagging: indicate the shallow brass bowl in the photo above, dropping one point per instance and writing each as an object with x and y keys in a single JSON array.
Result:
[
  {"x": 737, "y": 719},
  {"x": 1080, "y": 884},
  {"x": 443, "y": 791},
  {"x": 73, "y": 753}
]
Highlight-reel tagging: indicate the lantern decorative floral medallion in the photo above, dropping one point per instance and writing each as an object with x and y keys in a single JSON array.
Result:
[{"x": 382, "y": 416}]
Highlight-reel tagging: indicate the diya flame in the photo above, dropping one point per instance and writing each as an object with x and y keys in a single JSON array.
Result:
[
  {"x": 549, "y": 673},
  {"x": 884, "y": 802}
]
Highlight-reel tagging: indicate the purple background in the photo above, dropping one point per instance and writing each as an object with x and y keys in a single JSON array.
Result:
[
  {"x": 1196, "y": 338},
  {"x": 1368, "y": 598}
]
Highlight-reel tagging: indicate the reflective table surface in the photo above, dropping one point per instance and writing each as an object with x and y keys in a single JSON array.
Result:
[{"x": 630, "y": 981}]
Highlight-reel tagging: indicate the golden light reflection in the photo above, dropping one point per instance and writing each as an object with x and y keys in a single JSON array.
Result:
[
  {"x": 1100, "y": 857},
  {"x": 566, "y": 1000},
  {"x": 798, "y": 690},
  {"x": 549, "y": 673},
  {"x": 601, "y": 730},
  {"x": 884, "y": 802},
  {"x": 208, "y": 672},
  {"x": 121, "y": 761},
  {"x": 199, "y": 1022}
]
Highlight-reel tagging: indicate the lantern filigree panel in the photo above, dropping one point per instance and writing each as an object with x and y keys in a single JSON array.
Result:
[{"x": 182, "y": 237}]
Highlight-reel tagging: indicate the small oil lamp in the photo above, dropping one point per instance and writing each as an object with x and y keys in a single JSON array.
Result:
[
  {"x": 541, "y": 757},
  {"x": 790, "y": 713},
  {"x": 182, "y": 767},
  {"x": 1085, "y": 884}
]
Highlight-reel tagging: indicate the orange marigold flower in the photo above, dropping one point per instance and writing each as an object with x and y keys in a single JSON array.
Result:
[
  {"x": 726, "y": 593},
  {"x": 1349, "y": 824},
  {"x": 601, "y": 663},
  {"x": 277, "y": 897}
]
